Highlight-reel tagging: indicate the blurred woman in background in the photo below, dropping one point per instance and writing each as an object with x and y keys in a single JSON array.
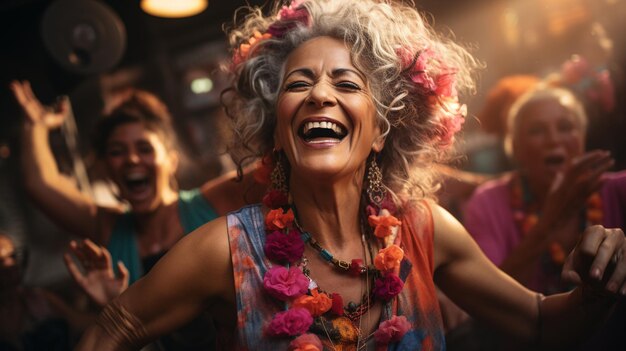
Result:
[{"x": 137, "y": 145}]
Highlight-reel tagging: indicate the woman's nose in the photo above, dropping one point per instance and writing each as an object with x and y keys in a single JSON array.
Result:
[
  {"x": 321, "y": 95},
  {"x": 132, "y": 157},
  {"x": 554, "y": 136}
]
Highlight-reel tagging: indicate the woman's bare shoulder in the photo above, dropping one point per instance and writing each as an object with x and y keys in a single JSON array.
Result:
[{"x": 203, "y": 257}]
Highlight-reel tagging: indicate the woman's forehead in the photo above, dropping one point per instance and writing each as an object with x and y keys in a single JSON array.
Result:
[{"x": 320, "y": 52}]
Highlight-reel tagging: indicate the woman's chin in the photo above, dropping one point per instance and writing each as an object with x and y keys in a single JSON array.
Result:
[{"x": 143, "y": 204}]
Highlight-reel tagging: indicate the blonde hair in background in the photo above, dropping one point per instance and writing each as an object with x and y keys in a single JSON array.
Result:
[{"x": 543, "y": 92}]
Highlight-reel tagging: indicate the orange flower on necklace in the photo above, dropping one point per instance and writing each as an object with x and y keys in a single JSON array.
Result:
[
  {"x": 278, "y": 219},
  {"x": 383, "y": 225},
  {"x": 388, "y": 259},
  {"x": 317, "y": 304}
]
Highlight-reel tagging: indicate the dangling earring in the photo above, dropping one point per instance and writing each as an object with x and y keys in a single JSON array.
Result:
[
  {"x": 376, "y": 191},
  {"x": 279, "y": 175}
]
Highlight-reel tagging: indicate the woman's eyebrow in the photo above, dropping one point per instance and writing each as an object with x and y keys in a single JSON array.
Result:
[{"x": 307, "y": 72}]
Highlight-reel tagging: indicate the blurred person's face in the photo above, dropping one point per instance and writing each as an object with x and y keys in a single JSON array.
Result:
[
  {"x": 326, "y": 119},
  {"x": 547, "y": 138},
  {"x": 140, "y": 165}
]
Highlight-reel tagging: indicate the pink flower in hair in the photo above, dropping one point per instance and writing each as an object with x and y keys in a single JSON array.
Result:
[
  {"x": 392, "y": 330},
  {"x": 420, "y": 71},
  {"x": 451, "y": 115},
  {"x": 288, "y": 18},
  {"x": 575, "y": 69},
  {"x": 292, "y": 322}
]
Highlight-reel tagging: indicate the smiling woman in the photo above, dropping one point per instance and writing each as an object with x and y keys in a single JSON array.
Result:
[
  {"x": 350, "y": 101},
  {"x": 526, "y": 221},
  {"x": 136, "y": 144}
]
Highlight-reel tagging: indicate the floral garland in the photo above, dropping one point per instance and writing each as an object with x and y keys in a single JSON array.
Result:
[
  {"x": 526, "y": 216},
  {"x": 286, "y": 282}
]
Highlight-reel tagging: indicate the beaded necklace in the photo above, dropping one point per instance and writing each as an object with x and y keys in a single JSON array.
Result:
[
  {"x": 526, "y": 214},
  {"x": 305, "y": 305}
]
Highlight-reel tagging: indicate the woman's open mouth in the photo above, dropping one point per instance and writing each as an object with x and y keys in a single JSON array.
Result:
[
  {"x": 137, "y": 184},
  {"x": 319, "y": 132}
]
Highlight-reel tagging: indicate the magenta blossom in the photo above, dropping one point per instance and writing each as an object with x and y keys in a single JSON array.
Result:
[
  {"x": 288, "y": 18},
  {"x": 575, "y": 69},
  {"x": 451, "y": 115},
  {"x": 285, "y": 284},
  {"x": 392, "y": 330},
  {"x": 294, "y": 321},
  {"x": 280, "y": 247},
  {"x": 388, "y": 286}
]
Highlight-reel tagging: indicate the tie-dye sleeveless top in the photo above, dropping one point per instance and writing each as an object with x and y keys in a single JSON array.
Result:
[{"x": 417, "y": 301}]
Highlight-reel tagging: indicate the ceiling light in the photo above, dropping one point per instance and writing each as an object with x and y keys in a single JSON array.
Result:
[{"x": 173, "y": 9}]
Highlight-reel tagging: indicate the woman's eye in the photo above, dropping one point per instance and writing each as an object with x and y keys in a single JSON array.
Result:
[
  {"x": 145, "y": 149},
  {"x": 534, "y": 131},
  {"x": 348, "y": 85},
  {"x": 114, "y": 152},
  {"x": 296, "y": 85}
]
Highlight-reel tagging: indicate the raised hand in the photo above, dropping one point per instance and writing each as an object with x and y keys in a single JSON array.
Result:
[
  {"x": 572, "y": 187},
  {"x": 34, "y": 111},
  {"x": 598, "y": 261},
  {"x": 97, "y": 278}
]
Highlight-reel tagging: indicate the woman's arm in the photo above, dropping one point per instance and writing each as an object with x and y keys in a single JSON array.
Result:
[
  {"x": 196, "y": 270},
  {"x": 480, "y": 288},
  {"x": 55, "y": 194}
]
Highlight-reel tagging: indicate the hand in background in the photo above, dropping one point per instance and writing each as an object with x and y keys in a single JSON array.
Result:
[
  {"x": 97, "y": 278},
  {"x": 34, "y": 111},
  {"x": 598, "y": 261},
  {"x": 572, "y": 187}
]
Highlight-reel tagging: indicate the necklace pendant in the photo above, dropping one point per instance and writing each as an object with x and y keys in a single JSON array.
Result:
[
  {"x": 351, "y": 306},
  {"x": 343, "y": 265}
]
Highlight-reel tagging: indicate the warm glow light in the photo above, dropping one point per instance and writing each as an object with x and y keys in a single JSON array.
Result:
[
  {"x": 202, "y": 85},
  {"x": 173, "y": 8}
]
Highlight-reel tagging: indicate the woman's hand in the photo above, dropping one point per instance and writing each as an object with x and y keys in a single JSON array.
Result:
[
  {"x": 571, "y": 188},
  {"x": 598, "y": 261},
  {"x": 98, "y": 280},
  {"x": 34, "y": 111}
]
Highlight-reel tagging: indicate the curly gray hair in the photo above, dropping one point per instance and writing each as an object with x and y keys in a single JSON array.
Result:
[{"x": 386, "y": 40}]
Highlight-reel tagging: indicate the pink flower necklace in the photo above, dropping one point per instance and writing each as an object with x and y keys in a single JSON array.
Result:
[{"x": 287, "y": 282}]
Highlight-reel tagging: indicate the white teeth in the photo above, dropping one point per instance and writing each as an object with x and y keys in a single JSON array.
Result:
[{"x": 325, "y": 125}]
